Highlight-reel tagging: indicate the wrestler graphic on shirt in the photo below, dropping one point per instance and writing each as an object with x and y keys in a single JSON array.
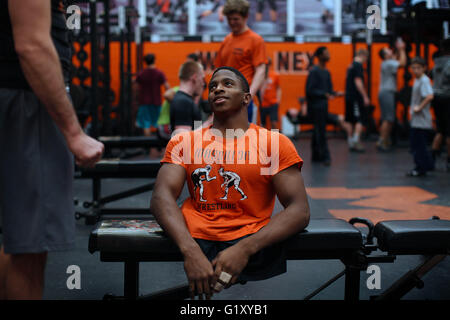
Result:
[
  {"x": 199, "y": 175},
  {"x": 231, "y": 178}
]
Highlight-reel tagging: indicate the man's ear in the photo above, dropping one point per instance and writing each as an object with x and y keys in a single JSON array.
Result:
[{"x": 247, "y": 99}]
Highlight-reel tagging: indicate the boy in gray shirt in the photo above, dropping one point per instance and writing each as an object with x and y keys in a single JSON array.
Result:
[{"x": 421, "y": 122}]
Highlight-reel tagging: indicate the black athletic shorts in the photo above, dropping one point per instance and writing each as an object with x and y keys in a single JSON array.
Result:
[
  {"x": 355, "y": 111},
  {"x": 267, "y": 263},
  {"x": 261, "y": 5},
  {"x": 36, "y": 175}
]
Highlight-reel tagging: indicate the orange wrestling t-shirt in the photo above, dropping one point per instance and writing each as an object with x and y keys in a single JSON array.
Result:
[
  {"x": 270, "y": 88},
  {"x": 230, "y": 180},
  {"x": 243, "y": 52}
]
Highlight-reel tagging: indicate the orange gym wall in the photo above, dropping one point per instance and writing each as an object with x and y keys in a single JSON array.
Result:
[{"x": 170, "y": 55}]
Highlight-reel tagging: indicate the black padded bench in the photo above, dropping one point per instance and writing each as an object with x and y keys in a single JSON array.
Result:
[
  {"x": 130, "y": 146},
  {"x": 134, "y": 241},
  {"x": 132, "y": 142},
  {"x": 115, "y": 169}
]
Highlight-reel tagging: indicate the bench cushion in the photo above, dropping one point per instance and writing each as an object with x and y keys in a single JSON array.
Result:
[
  {"x": 144, "y": 239},
  {"x": 132, "y": 142},
  {"x": 122, "y": 169},
  {"x": 413, "y": 236}
]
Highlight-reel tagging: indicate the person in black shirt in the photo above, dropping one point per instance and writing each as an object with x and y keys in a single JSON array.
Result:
[
  {"x": 318, "y": 90},
  {"x": 183, "y": 110},
  {"x": 39, "y": 137},
  {"x": 356, "y": 100}
]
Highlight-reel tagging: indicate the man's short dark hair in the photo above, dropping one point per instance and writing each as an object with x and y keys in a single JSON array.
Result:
[
  {"x": 193, "y": 56},
  {"x": 244, "y": 83},
  {"x": 362, "y": 52},
  {"x": 382, "y": 53},
  {"x": 149, "y": 59},
  {"x": 319, "y": 51},
  {"x": 418, "y": 60}
]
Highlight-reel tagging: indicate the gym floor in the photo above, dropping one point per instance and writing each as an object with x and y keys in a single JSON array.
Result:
[{"x": 371, "y": 185}]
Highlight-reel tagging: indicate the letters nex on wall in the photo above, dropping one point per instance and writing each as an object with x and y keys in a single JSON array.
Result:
[{"x": 291, "y": 60}]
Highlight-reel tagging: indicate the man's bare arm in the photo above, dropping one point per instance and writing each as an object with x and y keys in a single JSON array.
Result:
[
  {"x": 258, "y": 79},
  {"x": 424, "y": 102},
  {"x": 291, "y": 192},
  {"x": 360, "y": 87},
  {"x": 168, "y": 186},
  {"x": 31, "y": 23},
  {"x": 166, "y": 85},
  {"x": 169, "y": 94}
]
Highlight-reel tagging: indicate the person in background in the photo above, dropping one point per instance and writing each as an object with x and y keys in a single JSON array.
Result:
[
  {"x": 243, "y": 49},
  {"x": 183, "y": 111},
  {"x": 149, "y": 83},
  {"x": 260, "y": 10},
  {"x": 388, "y": 88},
  {"x": 271, "y": 97},
  {"x": 421, "y": 121},
  {"x": 319, "y": 89},
  {"x": 356, "y": 100},
  {"x": 164, "y": 129}
]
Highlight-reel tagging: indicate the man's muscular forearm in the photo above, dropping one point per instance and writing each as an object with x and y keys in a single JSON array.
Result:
[
  {"x": 40, "y": 63},
  {"x": 31, "y": 23},
  {"x": 43, "y": 72},
  {"x": 258, "y": 79}
]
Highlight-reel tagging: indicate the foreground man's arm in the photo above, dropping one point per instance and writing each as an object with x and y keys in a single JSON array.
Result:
[{"x": 31, "y": 23}]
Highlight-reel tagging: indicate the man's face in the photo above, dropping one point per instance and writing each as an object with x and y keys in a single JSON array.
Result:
[
  {"x": 388, "y": 54},
  {"x": 325, "y": 55},
  {"x": 364, "y": 58},
  {"x": 225, "y": 92},
  {"x": 236, "y": 22},
  {"x": 417, "y": 70}
]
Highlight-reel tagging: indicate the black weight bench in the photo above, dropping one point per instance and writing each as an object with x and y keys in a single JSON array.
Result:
[
  {"x": 135, "y": 241},
  {"x": 115, "y": 169},
  {"x": 128, "y": 144},
  {"x": 132, "y": 142}
]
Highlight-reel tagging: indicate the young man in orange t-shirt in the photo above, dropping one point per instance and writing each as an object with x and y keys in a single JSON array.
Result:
[
  {"x": 271, "y": 97},
  {"x": 243, "y": 49},
  {"x": 234, "y": 170}
]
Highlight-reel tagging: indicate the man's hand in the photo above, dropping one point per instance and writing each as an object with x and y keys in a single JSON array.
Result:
[
  {"x": 231, "y": 260},
  {"x": 87, "y": 151},
  {"x": 399, "y": 44},
  {"x": 416, "y": 109},
  {"x": 366, "y": 101},
  {"x": 200, "y": 274}
]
